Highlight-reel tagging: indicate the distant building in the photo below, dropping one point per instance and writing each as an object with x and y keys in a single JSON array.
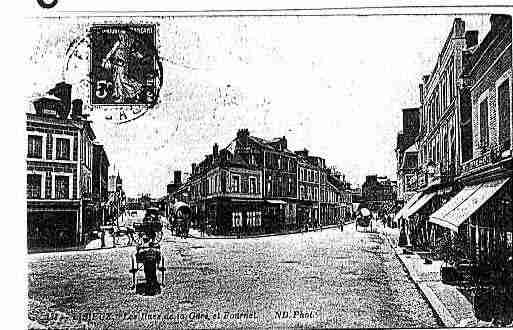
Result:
[
  {"x": 378, "y": 193},
  {"x": 100, "y": 176},
  {"x": 59, "y": 171},
  {"x": 407, "y": 155},
  {"x": 258, "y": 185}
]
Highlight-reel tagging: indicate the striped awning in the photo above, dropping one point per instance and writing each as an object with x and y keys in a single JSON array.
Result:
[
  {"x": 406, "y": 206},
  {"x": 465, "y": 203},
  {"x": 423, "y": 200}
]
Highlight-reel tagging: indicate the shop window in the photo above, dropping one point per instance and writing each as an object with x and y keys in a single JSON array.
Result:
[
  {"x": 34, "y": 184},
  {"x": 35, "y": 146}
]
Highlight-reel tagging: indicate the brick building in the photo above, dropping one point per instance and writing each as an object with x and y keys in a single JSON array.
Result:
[
  {"x": 439, "y": 142},
  {"x": 59, "y": 170},
  {"x": 465, "y": 166},
  {"x": 379, "y": 193},
  {"x": 407, "y": 155},
  {"x": 256, "y": 185},
  {"x": 481, "y": 209},
  {"x": 308, "y": 190}
]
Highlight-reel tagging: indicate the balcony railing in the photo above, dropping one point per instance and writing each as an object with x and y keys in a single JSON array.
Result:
[{"x": 489, "y": 155}]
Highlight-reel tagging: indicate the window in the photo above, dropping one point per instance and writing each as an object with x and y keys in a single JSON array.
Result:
[
  {"x": 237, "y": 219},
  {"x": 252, "y": 185},
  {"x": 235, "y": 183},
  {"x": 62, "y": 187},
  {"x": 34, "y": 185},
  {"x": 504, "y": 107},
  {"x": 35, "y": 146},
  {"x": 302, "y": 192},
  {"x": 483, "y": 122},
  {"x": 62, "y": 149},
  {"x": 258, "y": 218}
]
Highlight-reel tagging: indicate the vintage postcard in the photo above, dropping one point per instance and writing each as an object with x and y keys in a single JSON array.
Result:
[{"x": 336, "y": 167}]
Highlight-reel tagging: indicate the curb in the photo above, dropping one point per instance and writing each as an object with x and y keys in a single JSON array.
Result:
[
  {"x": 442, "y": 314},
  {"x": 263, "y": 235}
]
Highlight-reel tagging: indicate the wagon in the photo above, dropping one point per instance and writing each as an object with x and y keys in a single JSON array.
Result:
[{"x": 364, "y": 219}]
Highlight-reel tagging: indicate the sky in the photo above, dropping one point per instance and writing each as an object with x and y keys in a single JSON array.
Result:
[{"x": 332, "y": 84}]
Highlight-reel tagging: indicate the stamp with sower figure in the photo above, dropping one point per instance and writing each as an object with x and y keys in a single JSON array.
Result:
[{"x": 124, "y": 68}]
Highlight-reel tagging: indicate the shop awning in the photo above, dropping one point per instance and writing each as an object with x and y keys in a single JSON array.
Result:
[
  {"x": 275, "y": 201},
  {"x": 419, "y": 203},
  {"x": 406, "y": 206},
  {"x": 465, "y": 203}
]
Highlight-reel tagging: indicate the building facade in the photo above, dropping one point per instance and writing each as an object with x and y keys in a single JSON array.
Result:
[
  {"x": 308, "y": 190},
  {"x": 441, "y": 142},
  {"x": 59, "y": 171},
  {"x": 465, "y": 165},
  {"x": 481, "y": 211},
  {"x": 256, "y": 185},
  {"x": 100, "y": 195},
  {"x": 379, "y": 193},
  {"x": 407, "y": 155}
]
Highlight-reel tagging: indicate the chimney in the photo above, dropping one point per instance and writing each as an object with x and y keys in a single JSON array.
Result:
[
  {"x": 46, "y": 106},
  {"x": 498, "y": 21},
  {"x": 283, "y": 143},
  {"x": 177, "y": 177},
  {"x": 425, "y": 79},
  {"x": 215, "y": 151},
  {"x": 62, "y": 91},
  {"x": 302, "y": 153},
  {"x": 458, "y": 28},
  {"x": 471, "y": 38},
  {"x": 242, "y": 136},
  {"x": 76, "y": 111}
]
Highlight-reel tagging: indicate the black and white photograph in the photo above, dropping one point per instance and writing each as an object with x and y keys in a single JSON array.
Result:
[{"x": 341, "y": 167}]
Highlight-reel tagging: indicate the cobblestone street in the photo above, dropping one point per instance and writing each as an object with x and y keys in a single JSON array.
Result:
[{"x": 316, "y": 279}]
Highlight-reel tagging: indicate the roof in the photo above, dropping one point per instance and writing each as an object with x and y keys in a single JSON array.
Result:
[{"x": 269, "y": 145}]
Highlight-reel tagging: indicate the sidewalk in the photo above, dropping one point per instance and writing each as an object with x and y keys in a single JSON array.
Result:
[{"x": 451, "y": 306}]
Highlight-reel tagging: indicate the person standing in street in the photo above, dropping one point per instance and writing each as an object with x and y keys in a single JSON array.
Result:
[{"x": 341, "y": 224}]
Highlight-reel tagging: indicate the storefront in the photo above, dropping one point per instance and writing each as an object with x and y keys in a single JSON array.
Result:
[
  {"x": 481, "y": 213},
  {"x": 54, "y": 225}
]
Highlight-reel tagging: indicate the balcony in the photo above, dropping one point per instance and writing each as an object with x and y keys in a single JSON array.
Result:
[{"x": 489, "y": 155}]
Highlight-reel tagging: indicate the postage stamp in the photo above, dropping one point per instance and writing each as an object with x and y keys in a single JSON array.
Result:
[{"x": 124, "y": 65}]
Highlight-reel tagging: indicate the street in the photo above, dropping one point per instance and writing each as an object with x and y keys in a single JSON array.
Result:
[{"x": 317, "y": 279}]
